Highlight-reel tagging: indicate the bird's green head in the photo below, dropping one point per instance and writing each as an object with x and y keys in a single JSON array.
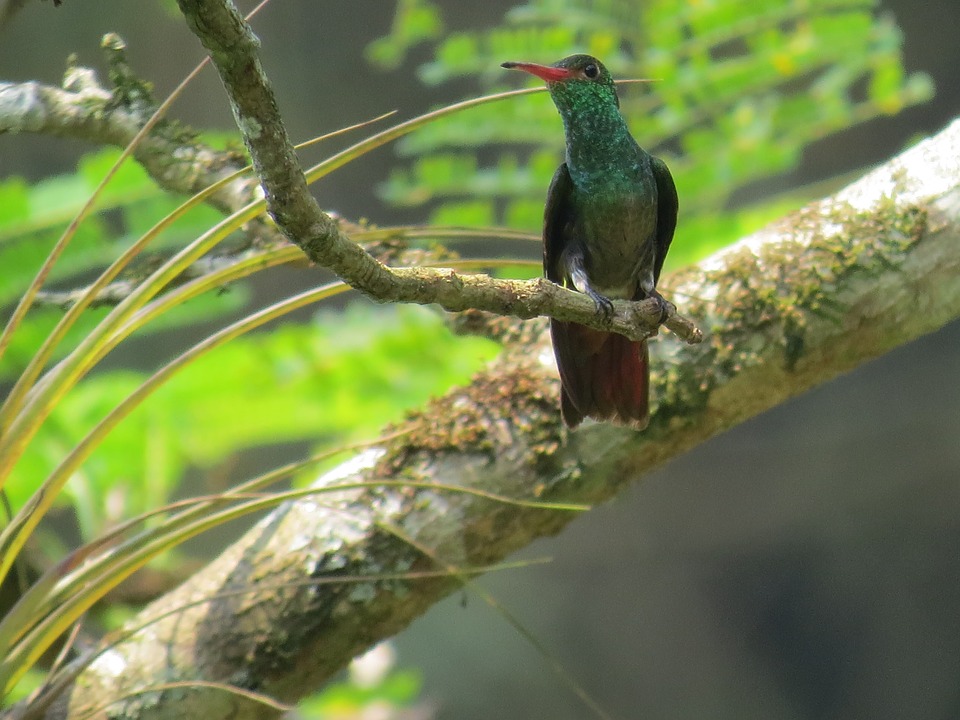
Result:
[{"x": 575, "y": 83}]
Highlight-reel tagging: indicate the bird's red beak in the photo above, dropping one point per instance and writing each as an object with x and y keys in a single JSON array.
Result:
[{"x": 544, "y": 72}]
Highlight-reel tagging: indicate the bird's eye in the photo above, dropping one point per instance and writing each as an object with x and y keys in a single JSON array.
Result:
[{"x": 591, "y": 71}]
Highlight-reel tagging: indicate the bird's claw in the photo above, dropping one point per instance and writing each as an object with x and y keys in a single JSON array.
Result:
[
  {"x": 665, "y": 306},
  {"x": 604, "y": 305}
]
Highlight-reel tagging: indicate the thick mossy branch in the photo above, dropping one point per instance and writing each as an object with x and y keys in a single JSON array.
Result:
[
  {"x": 790, "y": 307},
  {"x": 233, "y": 48}
]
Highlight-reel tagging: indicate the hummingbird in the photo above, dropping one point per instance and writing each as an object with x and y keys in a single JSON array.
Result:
[{"x": 608, "y": 222}]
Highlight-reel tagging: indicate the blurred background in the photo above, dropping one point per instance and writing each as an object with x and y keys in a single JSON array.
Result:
[{"x": 803, "y": 565}]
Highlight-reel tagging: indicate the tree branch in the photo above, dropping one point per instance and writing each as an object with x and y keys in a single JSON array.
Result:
[
  {"x": 809, "y": 297},
  {"x": 233, "y": 49}
]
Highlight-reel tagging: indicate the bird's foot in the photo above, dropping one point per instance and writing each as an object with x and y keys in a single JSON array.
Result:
[
  {"x": 603, "y": 303},
  {"x": 666, "y": 307}
]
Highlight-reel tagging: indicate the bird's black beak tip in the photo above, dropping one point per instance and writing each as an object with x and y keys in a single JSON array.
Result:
[{"x": 508, "y": 65}]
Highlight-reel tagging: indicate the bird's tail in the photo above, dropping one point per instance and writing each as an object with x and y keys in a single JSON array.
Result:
[{"x": 603, "y": 375}]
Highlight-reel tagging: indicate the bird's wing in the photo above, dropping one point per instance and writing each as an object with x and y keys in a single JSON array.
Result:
[
  {"x": 667, "y": 205},
  {"x": 557, "y": 223}
]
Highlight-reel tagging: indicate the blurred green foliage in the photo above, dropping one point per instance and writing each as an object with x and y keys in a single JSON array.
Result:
[
  {"x": 339, "y": 376},
  {"x": 739, "y": 89},
  {"x": 32, "y": 218}
]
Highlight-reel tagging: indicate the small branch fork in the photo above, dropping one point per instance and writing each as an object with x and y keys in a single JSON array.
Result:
[{"x": 233, "y": 49}]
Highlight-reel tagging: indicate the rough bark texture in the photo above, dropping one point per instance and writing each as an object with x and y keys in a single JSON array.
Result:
[{"x": 813, "y": 295}]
